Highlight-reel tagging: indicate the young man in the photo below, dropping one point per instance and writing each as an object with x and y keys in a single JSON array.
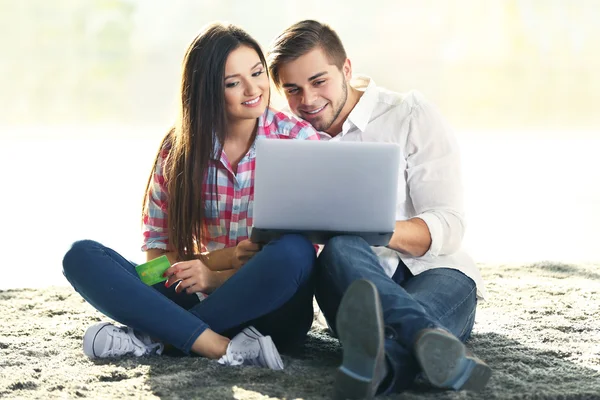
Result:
[{"x": 408, "y": 307}]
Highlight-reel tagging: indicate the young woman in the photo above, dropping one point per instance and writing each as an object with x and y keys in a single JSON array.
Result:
[{"x": 198, "y": 211}]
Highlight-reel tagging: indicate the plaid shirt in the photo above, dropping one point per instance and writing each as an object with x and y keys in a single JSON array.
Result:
[{"x": 228, "y": 218}]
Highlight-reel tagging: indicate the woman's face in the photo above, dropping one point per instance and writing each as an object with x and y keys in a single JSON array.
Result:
[{"x": 246, "y": 84}]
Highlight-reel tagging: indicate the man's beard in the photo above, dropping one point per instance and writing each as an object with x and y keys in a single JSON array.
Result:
[{"x": 321, "y": 125}]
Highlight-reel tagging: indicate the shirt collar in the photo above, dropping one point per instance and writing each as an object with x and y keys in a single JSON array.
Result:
[
  {"x": 361, "y": 113},
  {"x": 261, "y": 131}
]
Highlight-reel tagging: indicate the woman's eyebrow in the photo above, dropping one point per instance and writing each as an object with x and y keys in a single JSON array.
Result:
[{"x": 234, "y": 75}]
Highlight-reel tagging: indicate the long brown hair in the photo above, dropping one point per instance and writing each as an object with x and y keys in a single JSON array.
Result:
[{"x": 200, "y": 128}]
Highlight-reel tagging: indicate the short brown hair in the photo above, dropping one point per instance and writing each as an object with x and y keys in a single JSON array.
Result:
[{"x": 299, "y": 39}]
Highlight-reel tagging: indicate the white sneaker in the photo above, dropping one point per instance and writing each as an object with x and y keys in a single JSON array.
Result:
[
  {"x": 107, "y": 340},
  {"x": 249, "y": 347}
]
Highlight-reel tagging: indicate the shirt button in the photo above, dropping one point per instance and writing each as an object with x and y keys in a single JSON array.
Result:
[{"x": 236, "y": 208}]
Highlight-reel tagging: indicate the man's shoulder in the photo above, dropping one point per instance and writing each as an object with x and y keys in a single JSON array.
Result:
[
  {"x": 392, "y": 111},
  {"x": 409, "y": 99}
]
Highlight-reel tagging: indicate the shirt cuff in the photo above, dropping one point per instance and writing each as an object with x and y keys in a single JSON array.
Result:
[
  {"x": 154, "y": 245},
  {"x": 435, "y": 231}
]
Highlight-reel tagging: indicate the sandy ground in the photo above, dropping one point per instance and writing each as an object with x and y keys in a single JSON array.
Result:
[{"x": 540, "y": 332}]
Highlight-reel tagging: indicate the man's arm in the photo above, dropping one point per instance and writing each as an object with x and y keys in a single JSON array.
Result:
[
  {"x": 434, "y": 183},
  {"x": 411, "y": 237}
]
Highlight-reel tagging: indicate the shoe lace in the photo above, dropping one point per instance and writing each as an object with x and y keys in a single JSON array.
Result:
[
  {"x": 124, "y": 343},
  {"x": 150, "y": 344},
  {"x": 238, "y": 357}
]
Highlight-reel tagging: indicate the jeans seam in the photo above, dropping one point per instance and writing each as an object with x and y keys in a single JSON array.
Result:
[
  {"x": 458, "y": 305},
  {"x": 187, "y": 348},
  {"x": 464, "y": 329}
]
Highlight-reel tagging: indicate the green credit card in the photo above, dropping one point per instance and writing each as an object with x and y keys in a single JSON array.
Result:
[{"x": 151, "y": 272}]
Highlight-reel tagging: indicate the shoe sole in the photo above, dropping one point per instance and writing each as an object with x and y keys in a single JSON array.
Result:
[
  {"x": 90, "y": 337},
  {"x": 446, "y": 364},
  {"x": 359, "y": 324},
  {"x": 271, "y": 355}
]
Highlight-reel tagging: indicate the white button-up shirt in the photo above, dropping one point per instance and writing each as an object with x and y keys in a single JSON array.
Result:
[{"x": 430, "y": 185}]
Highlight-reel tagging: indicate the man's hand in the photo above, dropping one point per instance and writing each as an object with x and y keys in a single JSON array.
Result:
[
  {"x": 244, "y": 251},
  {"x": 193, "y": 276}
]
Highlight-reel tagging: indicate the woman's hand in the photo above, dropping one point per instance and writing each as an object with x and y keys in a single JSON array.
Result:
[
  {"x": 244, "y": 251},
  {"x": 193, "y": 276}
]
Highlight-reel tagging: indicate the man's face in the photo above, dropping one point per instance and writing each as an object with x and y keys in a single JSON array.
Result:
[{"x": 315, "y": 89}]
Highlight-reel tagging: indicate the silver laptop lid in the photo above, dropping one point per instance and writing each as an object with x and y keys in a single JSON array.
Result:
[{"x": 318, "y": 185}]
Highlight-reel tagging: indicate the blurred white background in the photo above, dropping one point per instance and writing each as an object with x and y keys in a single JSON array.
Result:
[{"x": 88, "y": 88}]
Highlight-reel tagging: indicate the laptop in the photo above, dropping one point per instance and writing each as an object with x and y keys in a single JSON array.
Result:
[{"x": 323, "y": 189}]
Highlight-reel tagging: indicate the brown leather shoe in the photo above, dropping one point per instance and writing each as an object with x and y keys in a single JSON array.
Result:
[
  {"x": 447, "y": 363},
  {"x": 360, "y": 328}
]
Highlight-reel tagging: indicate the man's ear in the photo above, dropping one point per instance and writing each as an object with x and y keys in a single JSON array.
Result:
[{"x": 347, "y": 69}]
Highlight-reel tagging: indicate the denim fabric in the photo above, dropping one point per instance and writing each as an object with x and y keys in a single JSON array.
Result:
[
  {"x": 273, "y": 292},
  {"x": 437, "y": 298}
]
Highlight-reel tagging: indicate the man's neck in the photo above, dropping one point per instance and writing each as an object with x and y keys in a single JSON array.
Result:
[{"x": 354, "y": 96}]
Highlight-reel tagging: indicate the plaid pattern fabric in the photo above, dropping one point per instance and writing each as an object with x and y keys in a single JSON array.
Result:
[{"x": 229, "y": 216}]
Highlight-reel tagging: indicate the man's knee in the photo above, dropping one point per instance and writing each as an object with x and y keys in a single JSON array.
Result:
[{"x": 339, "y": 246}]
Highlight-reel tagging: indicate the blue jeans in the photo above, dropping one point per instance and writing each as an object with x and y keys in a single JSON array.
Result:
[
  {"x": 273, "y": 291},
  {"x": 438, "y": 298}
]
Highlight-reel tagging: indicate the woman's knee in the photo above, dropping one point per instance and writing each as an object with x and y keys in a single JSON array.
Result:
[
  {"x": 298, "y": 248},
  {"x": 76, "y": 257}
]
